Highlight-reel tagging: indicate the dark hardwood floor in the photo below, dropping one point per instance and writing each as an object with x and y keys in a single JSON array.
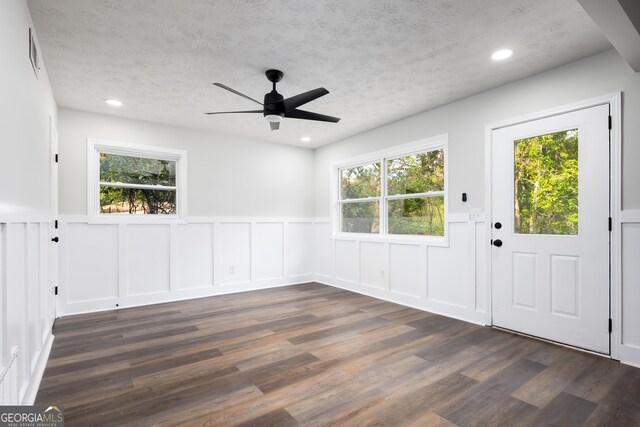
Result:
[{"x": 317, "y": 355}]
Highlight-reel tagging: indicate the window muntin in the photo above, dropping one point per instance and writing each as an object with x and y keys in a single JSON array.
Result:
[{"x": 405, "y": 197}]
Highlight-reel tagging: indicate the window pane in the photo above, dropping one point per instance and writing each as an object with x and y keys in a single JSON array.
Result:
[
  {"x": 361, "y": 217},
  {"x": 419, "y": 173},
  {"x": 137, "y": 170},
  {"x": 115, "y": 200},
  {"x": 421, "y": 216},
  {"x": 360, "y": 182},
  {"x": 546, "y": 184}
]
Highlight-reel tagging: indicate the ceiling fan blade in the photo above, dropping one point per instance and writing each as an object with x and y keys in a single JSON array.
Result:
[
  {"x": 303, "y": 98},
  {"x": 308, "y": 115},
  {"x": 230, "y": 112},
  {"x": 237, "y": 93},
  {"x": 275, "y": 125}
]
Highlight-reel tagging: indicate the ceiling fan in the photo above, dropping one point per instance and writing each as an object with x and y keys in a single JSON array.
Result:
[{"x": 276, "y": 107}]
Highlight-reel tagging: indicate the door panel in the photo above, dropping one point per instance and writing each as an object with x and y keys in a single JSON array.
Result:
[
  {"x": 550, "y": 194},
  {"x": 524, "y": 280}
]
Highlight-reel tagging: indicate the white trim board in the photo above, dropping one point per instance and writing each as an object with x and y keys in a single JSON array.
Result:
[
  {"x": 614, "y": 100},
  {"x": 97, "y": 146},
  {"x": 426, "y": 144}
]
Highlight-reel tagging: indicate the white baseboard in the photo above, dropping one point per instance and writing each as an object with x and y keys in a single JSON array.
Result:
[
  {"x": 186, "y": 295},
  {"x": 454, "y": 313}
]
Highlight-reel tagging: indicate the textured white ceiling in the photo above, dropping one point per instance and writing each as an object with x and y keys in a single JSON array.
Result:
[{"x": 381, "y": 60}]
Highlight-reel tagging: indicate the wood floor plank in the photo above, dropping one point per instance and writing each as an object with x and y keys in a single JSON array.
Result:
[
  {"x": 565, "y": 410},
  {"x": 596, "y": 381},
  {"x": 315, "y": 355},
  {"x": 549, "y": 383},
  {"x": 278, "y": 418}
]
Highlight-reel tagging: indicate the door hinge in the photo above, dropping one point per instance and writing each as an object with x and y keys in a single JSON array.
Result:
[
  {"x": 55, "y": 224},
  {"x": 55, "y": 290},
  {"x": 610, "y": 325},
  {"x": 610, "y": 224},
  {"x": 610, "y": 123},
  {"x": 491, "y": 242},
  {"x": 57, "y": 155}
]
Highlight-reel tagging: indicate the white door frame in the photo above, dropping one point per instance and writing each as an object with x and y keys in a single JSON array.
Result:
[
  {"x": 54, "y": 179},
  {"x": 615, "y": 102}
]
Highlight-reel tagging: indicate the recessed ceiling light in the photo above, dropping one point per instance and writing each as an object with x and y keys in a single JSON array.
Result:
[
  {"x": 501, "y": 54},
  {"x": 114, "y": 102},
  {"x": 305, "y": 139}
]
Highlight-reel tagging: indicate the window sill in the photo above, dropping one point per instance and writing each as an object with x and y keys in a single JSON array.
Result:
[
  {"x": 439, "y": 241},
  {"x": 136, "y": 219}
]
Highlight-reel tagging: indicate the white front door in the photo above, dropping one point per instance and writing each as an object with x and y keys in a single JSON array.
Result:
[{"x": 550, "y": 228}]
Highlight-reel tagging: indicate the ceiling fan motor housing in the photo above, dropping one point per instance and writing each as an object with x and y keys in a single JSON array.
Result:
[{"x": 273, "y": 105}]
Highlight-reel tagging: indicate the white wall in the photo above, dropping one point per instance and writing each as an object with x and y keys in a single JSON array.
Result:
[
  {"x": 26, "y": 293},
  {"x": 451, "y": 280},
  {"x": 228, "y": 175},
  {"x": 464, "y": 121},
  {"x": 250, "y": 210}
]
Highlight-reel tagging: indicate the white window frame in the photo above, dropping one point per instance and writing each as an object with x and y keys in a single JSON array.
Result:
[
  {"x": 440, "y": 142},
  {"x": 97, "y": 146}
]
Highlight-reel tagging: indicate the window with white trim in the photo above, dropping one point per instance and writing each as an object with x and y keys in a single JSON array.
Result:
[
  {"x": 398, "y": 193},
  {"x": 133, "y": 180}
]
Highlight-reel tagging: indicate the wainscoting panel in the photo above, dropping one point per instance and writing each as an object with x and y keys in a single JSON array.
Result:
[
  {"x": 268, "y": 247},
  {"x": 445, "y": 278},
  {"x": 346, "y": 260},
  {"x": 373, "y": 264},
  {"x": 299, "y": 244},
  {"x": 630, "y": 266},
  {"x": 92, "y": 250},
  {"x": 26, "y": 307},
  {"x": 235, "y": 252},
  {"x": 147, "y": 259},
  {"x": 323, "y": 249},
  {"x": 449, "y": 268},
  {"x": 408, "y": 270},
  {"x": 109, "y": 266},
  {"x": 195, "y": 255}
]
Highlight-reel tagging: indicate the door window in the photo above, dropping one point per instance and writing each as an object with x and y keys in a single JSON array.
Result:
[{"x": 546, "y": 184}]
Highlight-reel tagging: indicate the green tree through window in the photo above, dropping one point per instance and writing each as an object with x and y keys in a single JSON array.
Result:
[
  {"x": 137, "y": 185},
  {"x": 413, "y": 202},
  {"x": 546, "y": 184}
]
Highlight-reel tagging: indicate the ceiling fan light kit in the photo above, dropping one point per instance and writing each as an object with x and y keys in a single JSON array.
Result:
[{"x": 276, "y": 107}]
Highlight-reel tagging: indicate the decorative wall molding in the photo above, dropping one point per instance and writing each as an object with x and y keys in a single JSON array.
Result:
[
  {"x": 107, "y": 266},
  {"x": 628, "y": 270},
  {"x": 447, "y": 280},
  {"x": 26, "y": 303}
]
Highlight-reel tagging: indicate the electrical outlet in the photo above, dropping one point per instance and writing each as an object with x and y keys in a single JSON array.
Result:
[
  {"x": 475, "y": 215},
  {"x": 382, "y": 274},
  {"x": 232, "y": 270}
]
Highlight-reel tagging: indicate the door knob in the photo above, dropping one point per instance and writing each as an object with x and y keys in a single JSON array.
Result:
[
  {"x": 55, "y": 239},
  {"x": 497, "y": 225},
  {"x": 497, "y": 242}
]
